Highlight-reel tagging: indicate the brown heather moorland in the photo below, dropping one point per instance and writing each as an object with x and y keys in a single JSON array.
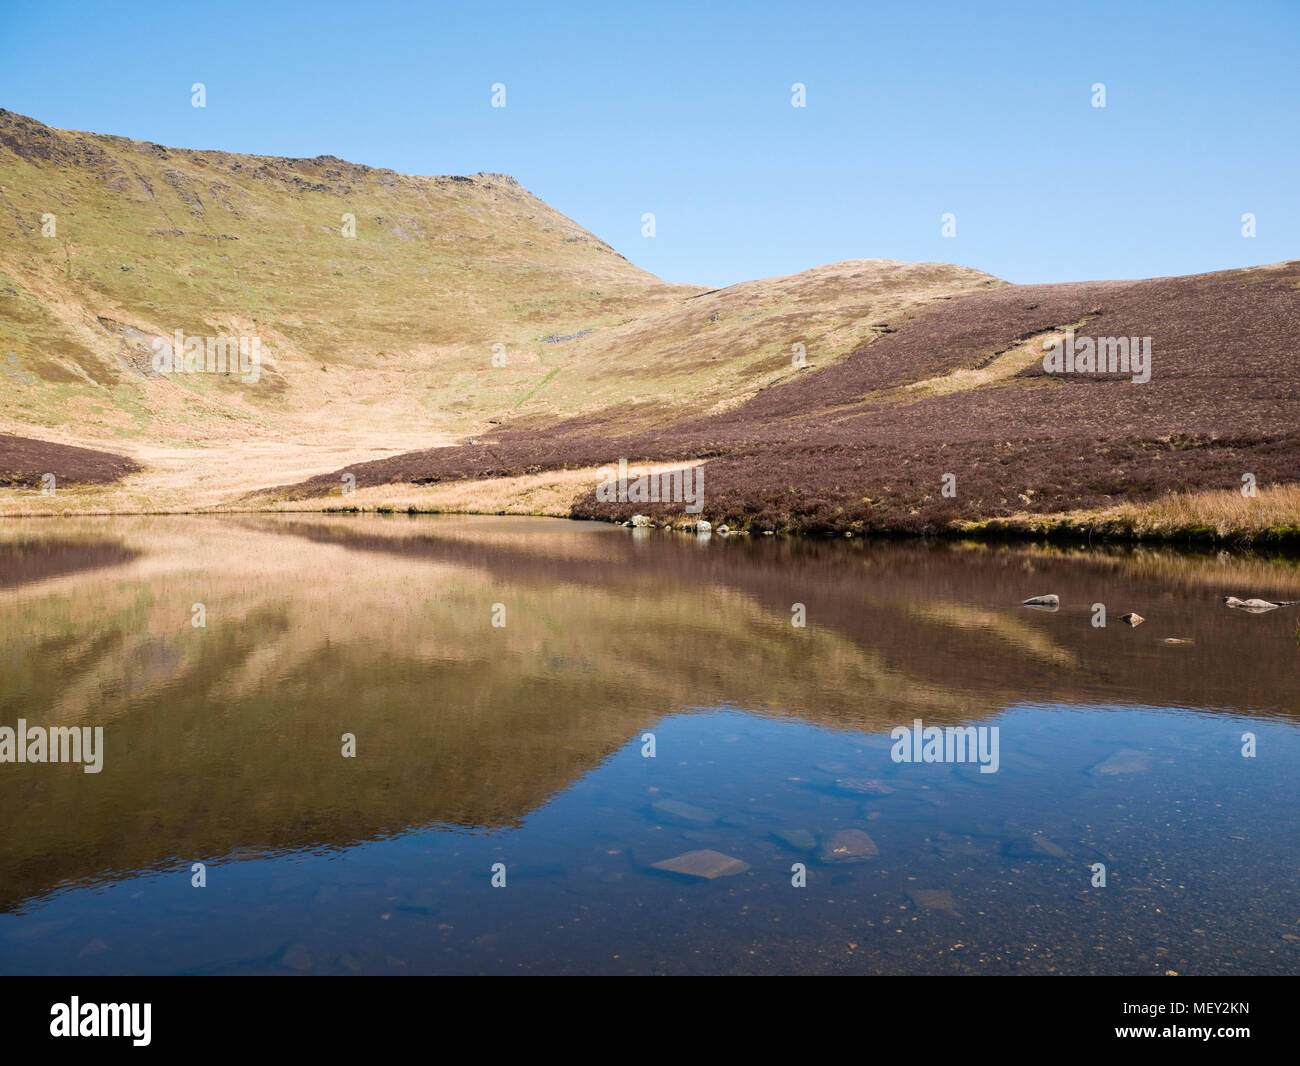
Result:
[
  {"x": 24, "y": 461},
  {"x": 863, "y": 445}
]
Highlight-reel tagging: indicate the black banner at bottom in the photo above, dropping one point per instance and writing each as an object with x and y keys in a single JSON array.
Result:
[{"x": 345, "y": 1015}]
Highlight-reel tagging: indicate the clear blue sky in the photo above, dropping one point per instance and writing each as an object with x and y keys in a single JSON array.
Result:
[{"x": 913, "y": 110}]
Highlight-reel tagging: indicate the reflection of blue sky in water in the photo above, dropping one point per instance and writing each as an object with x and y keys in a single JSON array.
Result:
[
  {"x": 975, "y": 873},
  {"x": 522, "y": 745}
]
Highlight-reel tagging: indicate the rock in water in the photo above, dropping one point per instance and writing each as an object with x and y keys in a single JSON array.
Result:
[
  {"x": 1050, "y": 601},
  {"x": 863, "y": 786},
  {"x": 704, "y": 864},
  {"x": 1035, "y": 846},
  {"x": 297, "y": 957},
  {"x": 799, "y": 839},
  {"x": 1254, "y": 606},
  {"x": 849, "y": 845},
  {"x": 93, "y": 948},
  {"x": 1134, "y": 619},
  {"x": 684, "y": 812},
  {"x": 1048, "y": 847},
  {"x": 1125, "y": 761},
  {"x": 640, "y": 520},
  {"x": 933, "y": 899}
]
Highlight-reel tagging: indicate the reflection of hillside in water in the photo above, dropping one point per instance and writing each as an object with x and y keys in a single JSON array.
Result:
[
  {"x": 228, "y": 736},
  {"x": 24, "y": 560}
]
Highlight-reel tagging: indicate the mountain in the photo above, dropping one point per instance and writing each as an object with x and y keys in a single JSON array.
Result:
[
  {"x": 453, "y": 343},
  {"x": 461, "y": 302}
]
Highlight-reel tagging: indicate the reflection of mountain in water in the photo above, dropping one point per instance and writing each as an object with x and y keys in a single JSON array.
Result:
[{"x": 228, "y": 737}]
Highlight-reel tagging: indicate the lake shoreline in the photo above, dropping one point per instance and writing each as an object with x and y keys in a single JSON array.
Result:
[{"x": 1044, "y": 529}]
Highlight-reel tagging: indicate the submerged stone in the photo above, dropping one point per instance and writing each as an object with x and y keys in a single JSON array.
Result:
[
  {"x": 1048, "y": 847},
  {"x": 706, "y": 864},
  {"x": 849, "y": 845},
  {"x": 93, "y": 948},
  {"x": 1124, "y": 761},
  {"x": 296, "y": 957},
  {"x": 799, "y": 839},
  {"x": 933, "y": 899},
  {"x": 863, "y": 786},
  {"x": 1033, "y": 847},
  {"x": 684, "y": 811}
]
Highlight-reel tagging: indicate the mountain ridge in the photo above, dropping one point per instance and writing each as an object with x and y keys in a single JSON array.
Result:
[{"x": 419, "y": 332}]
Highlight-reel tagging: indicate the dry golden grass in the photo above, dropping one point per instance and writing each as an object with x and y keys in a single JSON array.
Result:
[
  {"x": 1273, "y": 515},
  {"x": 1227, "y": 513},
  {"x": 999, "y": 368}
]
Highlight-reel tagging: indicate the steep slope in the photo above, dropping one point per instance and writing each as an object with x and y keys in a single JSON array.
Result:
[
  {"x": 109, "y": 243},
  {"x": 714, "y": 351},
  {"x": 458, "y": 304},
  {"x": 464, "y": 311}
]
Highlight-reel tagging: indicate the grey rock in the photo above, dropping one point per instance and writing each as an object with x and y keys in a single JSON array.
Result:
[
  {"x": 933, "y": 899},
  {"x": 1048, "y": 847},
  {"x": 1252, "y": 606},
  {"x": 1124, "y": 761},
  {"x": 296, "y": 957},
  {"x": 849, "y": 845},
  {"x": 93, "y": 948},
  {"x": 1036, "y": 846},
  {"x": 705, "y": 864},
  {"x": 683, "y": 811},
  {"x": 863, "y": 786},
  {"x": 799, "y": 839}
]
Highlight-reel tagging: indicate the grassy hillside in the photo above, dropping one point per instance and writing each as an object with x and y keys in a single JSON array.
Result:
[
  {"x": 371, "y": 344},
  {"x": 147, "y": 240}
]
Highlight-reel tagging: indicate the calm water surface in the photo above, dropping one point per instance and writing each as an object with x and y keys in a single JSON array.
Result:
[{"x": 523, "y": 744}]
